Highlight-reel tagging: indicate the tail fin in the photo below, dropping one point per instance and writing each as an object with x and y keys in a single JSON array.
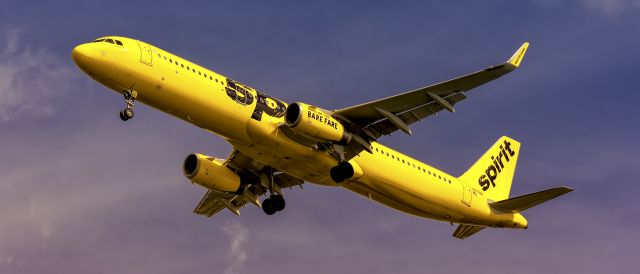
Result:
[{"x": 493, "y": 172}]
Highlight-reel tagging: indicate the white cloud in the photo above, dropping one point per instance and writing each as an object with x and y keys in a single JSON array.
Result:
[
  {"x": 239, "y": 236},
  {"x": 29, "y": 79}
]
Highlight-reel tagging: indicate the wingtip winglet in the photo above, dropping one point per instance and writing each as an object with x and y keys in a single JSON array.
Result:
[{"x": 516, "y": 59}]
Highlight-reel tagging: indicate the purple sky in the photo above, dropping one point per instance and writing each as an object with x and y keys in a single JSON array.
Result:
[{"x": 82, "y": 192}]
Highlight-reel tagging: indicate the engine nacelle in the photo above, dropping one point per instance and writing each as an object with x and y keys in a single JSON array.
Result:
[
  {"x": 315, "y": 123},
  {"x": 212, "y": 174}
]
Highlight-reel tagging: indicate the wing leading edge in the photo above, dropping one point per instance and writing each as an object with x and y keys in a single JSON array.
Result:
[{"x": 384, "y": 116}]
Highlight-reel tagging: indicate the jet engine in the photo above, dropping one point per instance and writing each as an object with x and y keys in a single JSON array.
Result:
[
  {"x": 211, "y": 173},
  {"x": 315, "y": 123}
]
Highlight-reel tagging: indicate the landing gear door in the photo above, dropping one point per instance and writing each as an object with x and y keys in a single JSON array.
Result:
[
  {"x": 145, "y": 53},
  {"x": 466, "y": 194}
]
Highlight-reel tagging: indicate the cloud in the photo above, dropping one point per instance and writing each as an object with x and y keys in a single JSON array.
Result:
[
  {"x": 239, "y": 235},
  {"x": 613, "y": 7},
  {"x": 606, "y": 7},
  {"x": 30, "y": 79}
]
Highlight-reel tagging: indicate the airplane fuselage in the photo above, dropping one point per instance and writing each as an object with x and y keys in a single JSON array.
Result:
[{"x": 249, "y": 120}]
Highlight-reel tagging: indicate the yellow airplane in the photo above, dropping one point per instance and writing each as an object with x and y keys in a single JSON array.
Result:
[{"x": 279, "y": 145}]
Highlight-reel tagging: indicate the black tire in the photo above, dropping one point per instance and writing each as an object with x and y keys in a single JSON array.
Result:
[
  {"x": 341, "y": 172},
  {"x": 336, "y": 175},
  {"x": 268, "y": 206},
  {"x": 278, "y": 202},
  {"x": 128, "y": 113},
  {"x": 122, "y": 117}
]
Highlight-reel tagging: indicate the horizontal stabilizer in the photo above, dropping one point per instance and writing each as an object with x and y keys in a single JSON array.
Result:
[
  {"x": 464, "y": 231},
  {"x": 524, "y": 202}
]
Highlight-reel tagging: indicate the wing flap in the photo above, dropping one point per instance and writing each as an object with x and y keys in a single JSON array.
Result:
[
  {"x": 465, "y": 231},
  {"x": 386, "y": 127},
  {"x": 524, "y": 202},
  {"x": 209, "y": 205},
  {"x": 426, "y": 99}
]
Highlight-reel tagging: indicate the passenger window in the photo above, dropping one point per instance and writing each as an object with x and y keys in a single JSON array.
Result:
[
  {"x": 159, "y": 55},
  {"x": 182, "y": 65},
  {"x": 194, "y": 70},
  {"x": 199, "y": 73},
  {"x": 165, "y": 57}
]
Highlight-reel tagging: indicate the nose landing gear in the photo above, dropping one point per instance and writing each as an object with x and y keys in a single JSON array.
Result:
[{"x": 129, "y": 98}]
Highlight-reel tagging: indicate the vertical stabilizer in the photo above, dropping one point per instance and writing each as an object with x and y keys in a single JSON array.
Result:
[{"x": 493, "y": 172}]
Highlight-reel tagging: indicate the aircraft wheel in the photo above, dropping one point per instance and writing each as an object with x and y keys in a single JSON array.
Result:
[
  {"x": 341, "y": 172},
  {"x": 278, "y": 202},
  {"x": 122, "y": 116},
  {"x": 336, "y": 175},
  {"x": 268, "y": 206},
  {"x": 128, "y": 113}
]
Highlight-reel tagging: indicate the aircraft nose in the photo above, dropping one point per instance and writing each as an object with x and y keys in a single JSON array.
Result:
[{"x": 82, "y": 55}]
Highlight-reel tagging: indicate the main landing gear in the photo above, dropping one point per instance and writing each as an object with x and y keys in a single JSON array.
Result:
[
  {"x": 129, "y": 98},
  {"x": 275, "y": 202},
  {"x": 341, "y": 172}
]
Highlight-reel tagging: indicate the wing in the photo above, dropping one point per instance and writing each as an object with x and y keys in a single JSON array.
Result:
[
  {"x": 387, "y": 115},
  {"x": 465, "y": 231},
  {"x": 213, "y": 201}
]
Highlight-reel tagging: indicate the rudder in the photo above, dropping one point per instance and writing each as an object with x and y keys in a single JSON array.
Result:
[{"x": 494, "y": 171}]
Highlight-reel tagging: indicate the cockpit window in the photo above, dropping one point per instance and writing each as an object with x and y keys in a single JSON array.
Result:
[
  {"x": 99, "y": 40},
  {"x": 110, "y": 41},
  {"x": 118, "y": 43}
]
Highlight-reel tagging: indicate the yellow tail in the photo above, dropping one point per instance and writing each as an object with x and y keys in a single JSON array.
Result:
[{"x": 493, "y": 172}]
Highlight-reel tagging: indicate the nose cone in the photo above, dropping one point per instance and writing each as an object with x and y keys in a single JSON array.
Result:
[{"x": 82, "y": 56}]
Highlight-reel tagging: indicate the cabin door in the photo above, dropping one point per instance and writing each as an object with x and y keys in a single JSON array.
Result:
[
  {"x": 145, "y": 53},
  {"x": 466, "y": 194}
]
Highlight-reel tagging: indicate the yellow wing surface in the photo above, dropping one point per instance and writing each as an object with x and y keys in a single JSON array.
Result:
[{"x": 214, "y": 201}]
